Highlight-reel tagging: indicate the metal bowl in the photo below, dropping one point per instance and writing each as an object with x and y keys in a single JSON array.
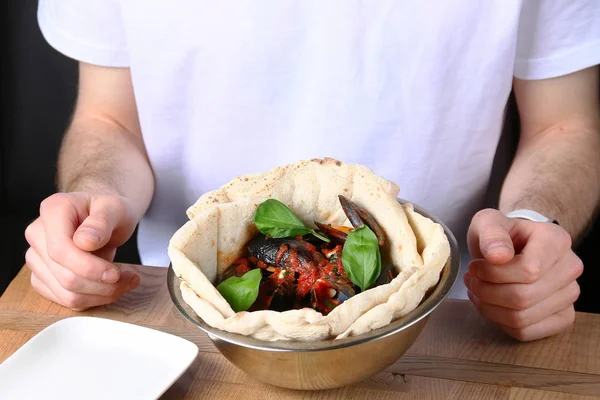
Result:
[{"x": 330, "y": 363}]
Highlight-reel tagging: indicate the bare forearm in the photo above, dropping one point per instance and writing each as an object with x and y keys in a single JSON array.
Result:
[
  {"x": 557, "y": 173},
  {"x": 101, "y": 156}
]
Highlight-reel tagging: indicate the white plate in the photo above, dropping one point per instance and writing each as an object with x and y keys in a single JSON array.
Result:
[{"x": 95, "y": 358}]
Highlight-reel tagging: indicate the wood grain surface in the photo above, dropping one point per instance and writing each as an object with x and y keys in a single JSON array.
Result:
[{"x": 459, "y": 355}]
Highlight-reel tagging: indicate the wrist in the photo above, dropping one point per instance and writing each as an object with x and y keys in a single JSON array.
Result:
[
  {"x": 93, "y": 186},
  {"x": 547, "y": 210},
  {"x": 531, "y": 215},
  {"x": 94, "y": 192}
]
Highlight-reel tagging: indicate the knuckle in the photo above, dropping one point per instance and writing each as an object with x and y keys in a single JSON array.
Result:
[
  {"x": 574, "y": 292},
  {"x": 29, "y": 257},
  {"x": 111, "y": 291},
  {"x": 28, "y": 236},
  {"x": 577, "y": 268},
  {"x": 532, "y": 270},
  {"x": 69, "y": 281},
  {"x": 49, "y": 203},
  {"x": 91, "y": 270},
  {"x": 520, "y": 335},
  {"x": 547, "y": 233},
  {"x": 474, "y": 286},
  {"x": 520, "y": 299},
  {"x": 74, "y": 301},
  {"x": 34, "y": 282},
  {"x": 45, "y": 205},
  {"x": 556, "y": 235},
  {"x": 517, "y": 319},
  {"x": 37, "y": 286},
  {"x": 115, "y": 295},
  {"x": 565, "y": 239},
  {"x": 29, "y": 233},
  {"x": 54, "y": 250},
  {"x": 570, "y": 317}
]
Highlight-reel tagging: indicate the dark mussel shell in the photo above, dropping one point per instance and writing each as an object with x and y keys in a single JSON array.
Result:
[
  {"x": 326, "y": 289},
  {"x": 335, "y": 235},
  {"x": 344, "y": 288},
  {"x": 267, "y": 249},
  {"x": 387, "y": 275},
  {"x": 265, "y": 294},
  {"x": 310, "y": 238},
  {"x": 284, "y": 297},
  {"x": 277, "y": 292},
  {"x": 358, "y": 216}
]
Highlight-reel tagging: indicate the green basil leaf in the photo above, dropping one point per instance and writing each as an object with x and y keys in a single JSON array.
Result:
[
  {"x": 275, "y": 219},
  {"x": 361, "y": 257},
  {"x": 241, "y": 292}
]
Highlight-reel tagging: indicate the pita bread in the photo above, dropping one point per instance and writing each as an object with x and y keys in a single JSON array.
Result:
[{"x": 221, "y": 223}]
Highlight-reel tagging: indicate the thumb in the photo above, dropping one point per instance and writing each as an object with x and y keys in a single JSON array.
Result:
[
  {"x": 489, "y": 237},
  {"x": 97, "y": 228}
]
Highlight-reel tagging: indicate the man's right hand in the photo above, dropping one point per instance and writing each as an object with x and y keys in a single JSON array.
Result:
[{"x": 73, "y": 243}]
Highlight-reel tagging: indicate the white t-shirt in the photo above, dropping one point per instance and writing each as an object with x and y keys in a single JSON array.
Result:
[{"x": 415, "y": 90}]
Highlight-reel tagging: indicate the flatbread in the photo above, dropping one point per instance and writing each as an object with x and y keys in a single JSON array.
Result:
[
  {"x": 435, "y": 251},
  {"x": 221, "y": 223}
]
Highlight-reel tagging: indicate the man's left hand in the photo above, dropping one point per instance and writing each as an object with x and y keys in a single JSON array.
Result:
[{"x": 523, "y": 274}]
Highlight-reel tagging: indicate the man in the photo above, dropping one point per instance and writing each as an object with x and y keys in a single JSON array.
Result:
[{"x": 175, "y": 100}]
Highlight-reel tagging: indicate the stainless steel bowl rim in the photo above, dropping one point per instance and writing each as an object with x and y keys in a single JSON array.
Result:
[{"x": 442, "y": 290}]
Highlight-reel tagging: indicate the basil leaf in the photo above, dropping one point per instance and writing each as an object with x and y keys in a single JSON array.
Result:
[
  {"x": 361, "y": 257},
  {"x": 275, "y": 219},
  {"x": 241, "y": 292}
]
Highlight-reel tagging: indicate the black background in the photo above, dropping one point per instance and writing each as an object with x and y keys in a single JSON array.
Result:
[{"x": 38, "y": 93}]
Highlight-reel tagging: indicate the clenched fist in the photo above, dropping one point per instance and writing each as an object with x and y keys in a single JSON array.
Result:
[
  {"x": 523, "y": 274},
  {"x": 73, "y": 243}
]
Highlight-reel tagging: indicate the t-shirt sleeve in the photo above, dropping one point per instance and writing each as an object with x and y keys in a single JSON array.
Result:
[
  {"x": 86, "y": 30},
  {"x": 557, "y": 37}
]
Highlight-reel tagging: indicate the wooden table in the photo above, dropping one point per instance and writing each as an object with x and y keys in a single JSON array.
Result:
[{"x": 459, "y": 355}]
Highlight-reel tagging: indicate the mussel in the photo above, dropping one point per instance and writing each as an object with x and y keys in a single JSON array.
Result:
[
  {"x": 387, "y": 275},
  {"x": 291, "y": 254},
  {"x": 328, "y": 293},
  {"x": 276, "y": 292},
  {"x": 359, "y": 217},
  {"x": 306, "y": 271},
  {"x": 337, "y": 236},
  {"x": 284, "y": 295}
]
